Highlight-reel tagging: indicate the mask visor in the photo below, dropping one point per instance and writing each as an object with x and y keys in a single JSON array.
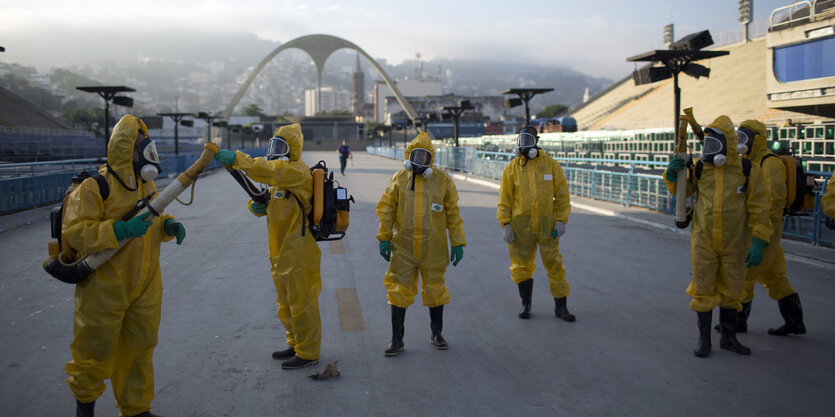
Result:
[{"x": 277, "y": 148}]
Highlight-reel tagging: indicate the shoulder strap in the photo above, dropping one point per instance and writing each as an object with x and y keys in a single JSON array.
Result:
[
  {"x": 746, "y": 170},
  {"x": 699, "y": 167},
  {"x": 301, "y": 208},
  {"x": 768, "y": 155},
  {"x": 104, "y": 188}
]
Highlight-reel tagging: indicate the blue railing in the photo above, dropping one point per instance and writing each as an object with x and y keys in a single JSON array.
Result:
[
  {"x": 626, "y": 182},
  {"x": 34, "y": 184}
]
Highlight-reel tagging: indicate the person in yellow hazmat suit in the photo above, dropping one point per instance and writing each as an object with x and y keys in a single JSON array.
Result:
[
  {"x": 533, "y": 209},
  {"x": 294, "y": 254},
  {"x": 725, "y": 200},
  {"x": 117, "y": 309},
  {"x": 828, "y": 204},
  {"x": 417, "y": 208},
  {"x": 771, "y": 273}
]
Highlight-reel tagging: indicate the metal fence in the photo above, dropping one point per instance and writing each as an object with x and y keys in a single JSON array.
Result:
[
  {"x": 625, "y": 182},
  {"x": 34, "y": 184}
]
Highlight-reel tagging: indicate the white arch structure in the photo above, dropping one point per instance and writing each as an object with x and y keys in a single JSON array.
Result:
[{"x": 320, "y": 47}]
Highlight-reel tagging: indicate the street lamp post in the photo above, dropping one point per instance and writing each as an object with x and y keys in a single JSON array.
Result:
[
  {"x": 680, "y": 57},
  {"x": 221, "y": 124},
  {"x": 177, "y": 117},
  {"x": 208, "y": 118},
  {"x": 524, "y": 95},
  {"x": 455, "y": 112},
  {"x": 109, "y": 93}
]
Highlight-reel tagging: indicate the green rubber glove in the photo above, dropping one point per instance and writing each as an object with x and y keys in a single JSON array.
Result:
[
  {"x": 755, "y": 253},
  {"x": 385, "y": 250},
  {"x": 225, "y": 157},
  {"x": 258, "y": 208},
  {"x": 676, "y": 165},
  {"x": 134, "y": 227},
  {"x": 455, "y": 254},
  {"x": 174, "y": 228}
]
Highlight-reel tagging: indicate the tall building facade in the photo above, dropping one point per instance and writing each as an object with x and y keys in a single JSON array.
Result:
[{"x": 332, "y": 99}]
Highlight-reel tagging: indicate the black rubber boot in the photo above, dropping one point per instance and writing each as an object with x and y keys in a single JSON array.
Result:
[
  {"x": 436, "y": 315},
  {"x": 741, "y": 320},
  {"x": 792, "y": 313},
  {"x": 84, "y": 409},
  {"x": 285, "y": 354},
  {"x": 561, "y": 309},
  {"x": 703, "y": 347},
  {"x": 147, "y": 414},
  {"x": 298, "y": 363},
  {"x": 526, "y": 292},
  {"x": 398, "y": 316},
  {"x": 728, "y": 321}
]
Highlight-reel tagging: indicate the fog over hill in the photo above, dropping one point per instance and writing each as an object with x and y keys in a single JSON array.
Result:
[{"x": 187, "y": 70}]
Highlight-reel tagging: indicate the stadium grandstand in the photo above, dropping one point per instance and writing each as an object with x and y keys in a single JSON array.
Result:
[
  {"x": 785, "y": 79},
  {"x": 29, "y": 133}
]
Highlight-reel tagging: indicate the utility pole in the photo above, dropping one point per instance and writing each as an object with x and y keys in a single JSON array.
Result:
[{"x": 178, "y": 119}]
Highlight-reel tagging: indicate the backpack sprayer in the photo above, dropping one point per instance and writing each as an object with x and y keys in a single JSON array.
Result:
[
  {"x": 73, "y": 271},
  {"x": 682, "y": 217}
]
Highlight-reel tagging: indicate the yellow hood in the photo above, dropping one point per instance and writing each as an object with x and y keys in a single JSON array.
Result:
[
  {"x": 759, "y": 147},
  {"x": 122, "y": 141},
  {"x": 726, "y": 126},
  {"x": 421, "y": 141},
  {"x": 293, "y": 135}
]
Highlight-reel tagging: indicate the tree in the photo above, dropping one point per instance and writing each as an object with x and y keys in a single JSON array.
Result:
[
  {"x": 88, "y": 119},
  {"x": 553, "y": 110},
  {"x": 252, "y": 110},
  {"x": 283, "y": 118}
]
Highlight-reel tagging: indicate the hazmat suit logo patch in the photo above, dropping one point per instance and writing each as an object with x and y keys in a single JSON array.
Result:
[
  {"x": 279, "y": 194},
  {"x": 437, "y": 207}
]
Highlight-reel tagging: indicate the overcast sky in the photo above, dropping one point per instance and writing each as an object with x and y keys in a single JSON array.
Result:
[{"x": 593, "y": 37}]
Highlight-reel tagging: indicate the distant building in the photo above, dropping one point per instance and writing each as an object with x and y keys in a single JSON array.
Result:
[
  {"x": 332, "y": 99},
  {"x": 487, "y": 108},
  {"x": 409, "y": 88}
]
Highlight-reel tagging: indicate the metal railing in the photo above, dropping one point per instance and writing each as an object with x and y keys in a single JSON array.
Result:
[
  {"x": 34, "y": 184},
  {"x": 626, "y": 182},
  {"x": 789, "y": 14},
  {"x": 45, "y": 132}
]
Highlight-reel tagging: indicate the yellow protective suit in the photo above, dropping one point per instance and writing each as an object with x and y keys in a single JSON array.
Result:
[
  {"x": 532, "y": 198},
  {"x": 828, "y": 200},
  {"x": 117, "y": 309},
  {"x": 294, "y": 259},
  {"x": 419, "y": 219},
  {"x": 717, "y": 241},
  {"x": 771, "y": 273}
]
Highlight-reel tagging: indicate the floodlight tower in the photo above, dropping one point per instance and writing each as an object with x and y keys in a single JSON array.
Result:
[
  {"x": 746, "y": 12},
  {"x": 525, "y": 95},
  {"x": 209, "y": 118},
  {"x": 178, "y": 120},
  {"x": 455, "y": 112},
  {"x": 109, "y": 93},
  {"x": 680, "y": 57}
]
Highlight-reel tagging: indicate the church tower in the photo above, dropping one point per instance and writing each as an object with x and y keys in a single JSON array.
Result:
[{"x": 357, "y": 89}]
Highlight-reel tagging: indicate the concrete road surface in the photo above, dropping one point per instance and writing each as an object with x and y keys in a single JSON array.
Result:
[{"x": 628, "y": 354}]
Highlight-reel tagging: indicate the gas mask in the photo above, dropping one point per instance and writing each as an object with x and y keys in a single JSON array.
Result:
[
  {"x": 147, "y": 165},
  {"x": 526, "y": 145},
  {"x": 715, "y": 148},
  {"x": 420, "y": 161},
  {"x": 745, "y": 140},
  {"x": 278, "y": 149}
]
